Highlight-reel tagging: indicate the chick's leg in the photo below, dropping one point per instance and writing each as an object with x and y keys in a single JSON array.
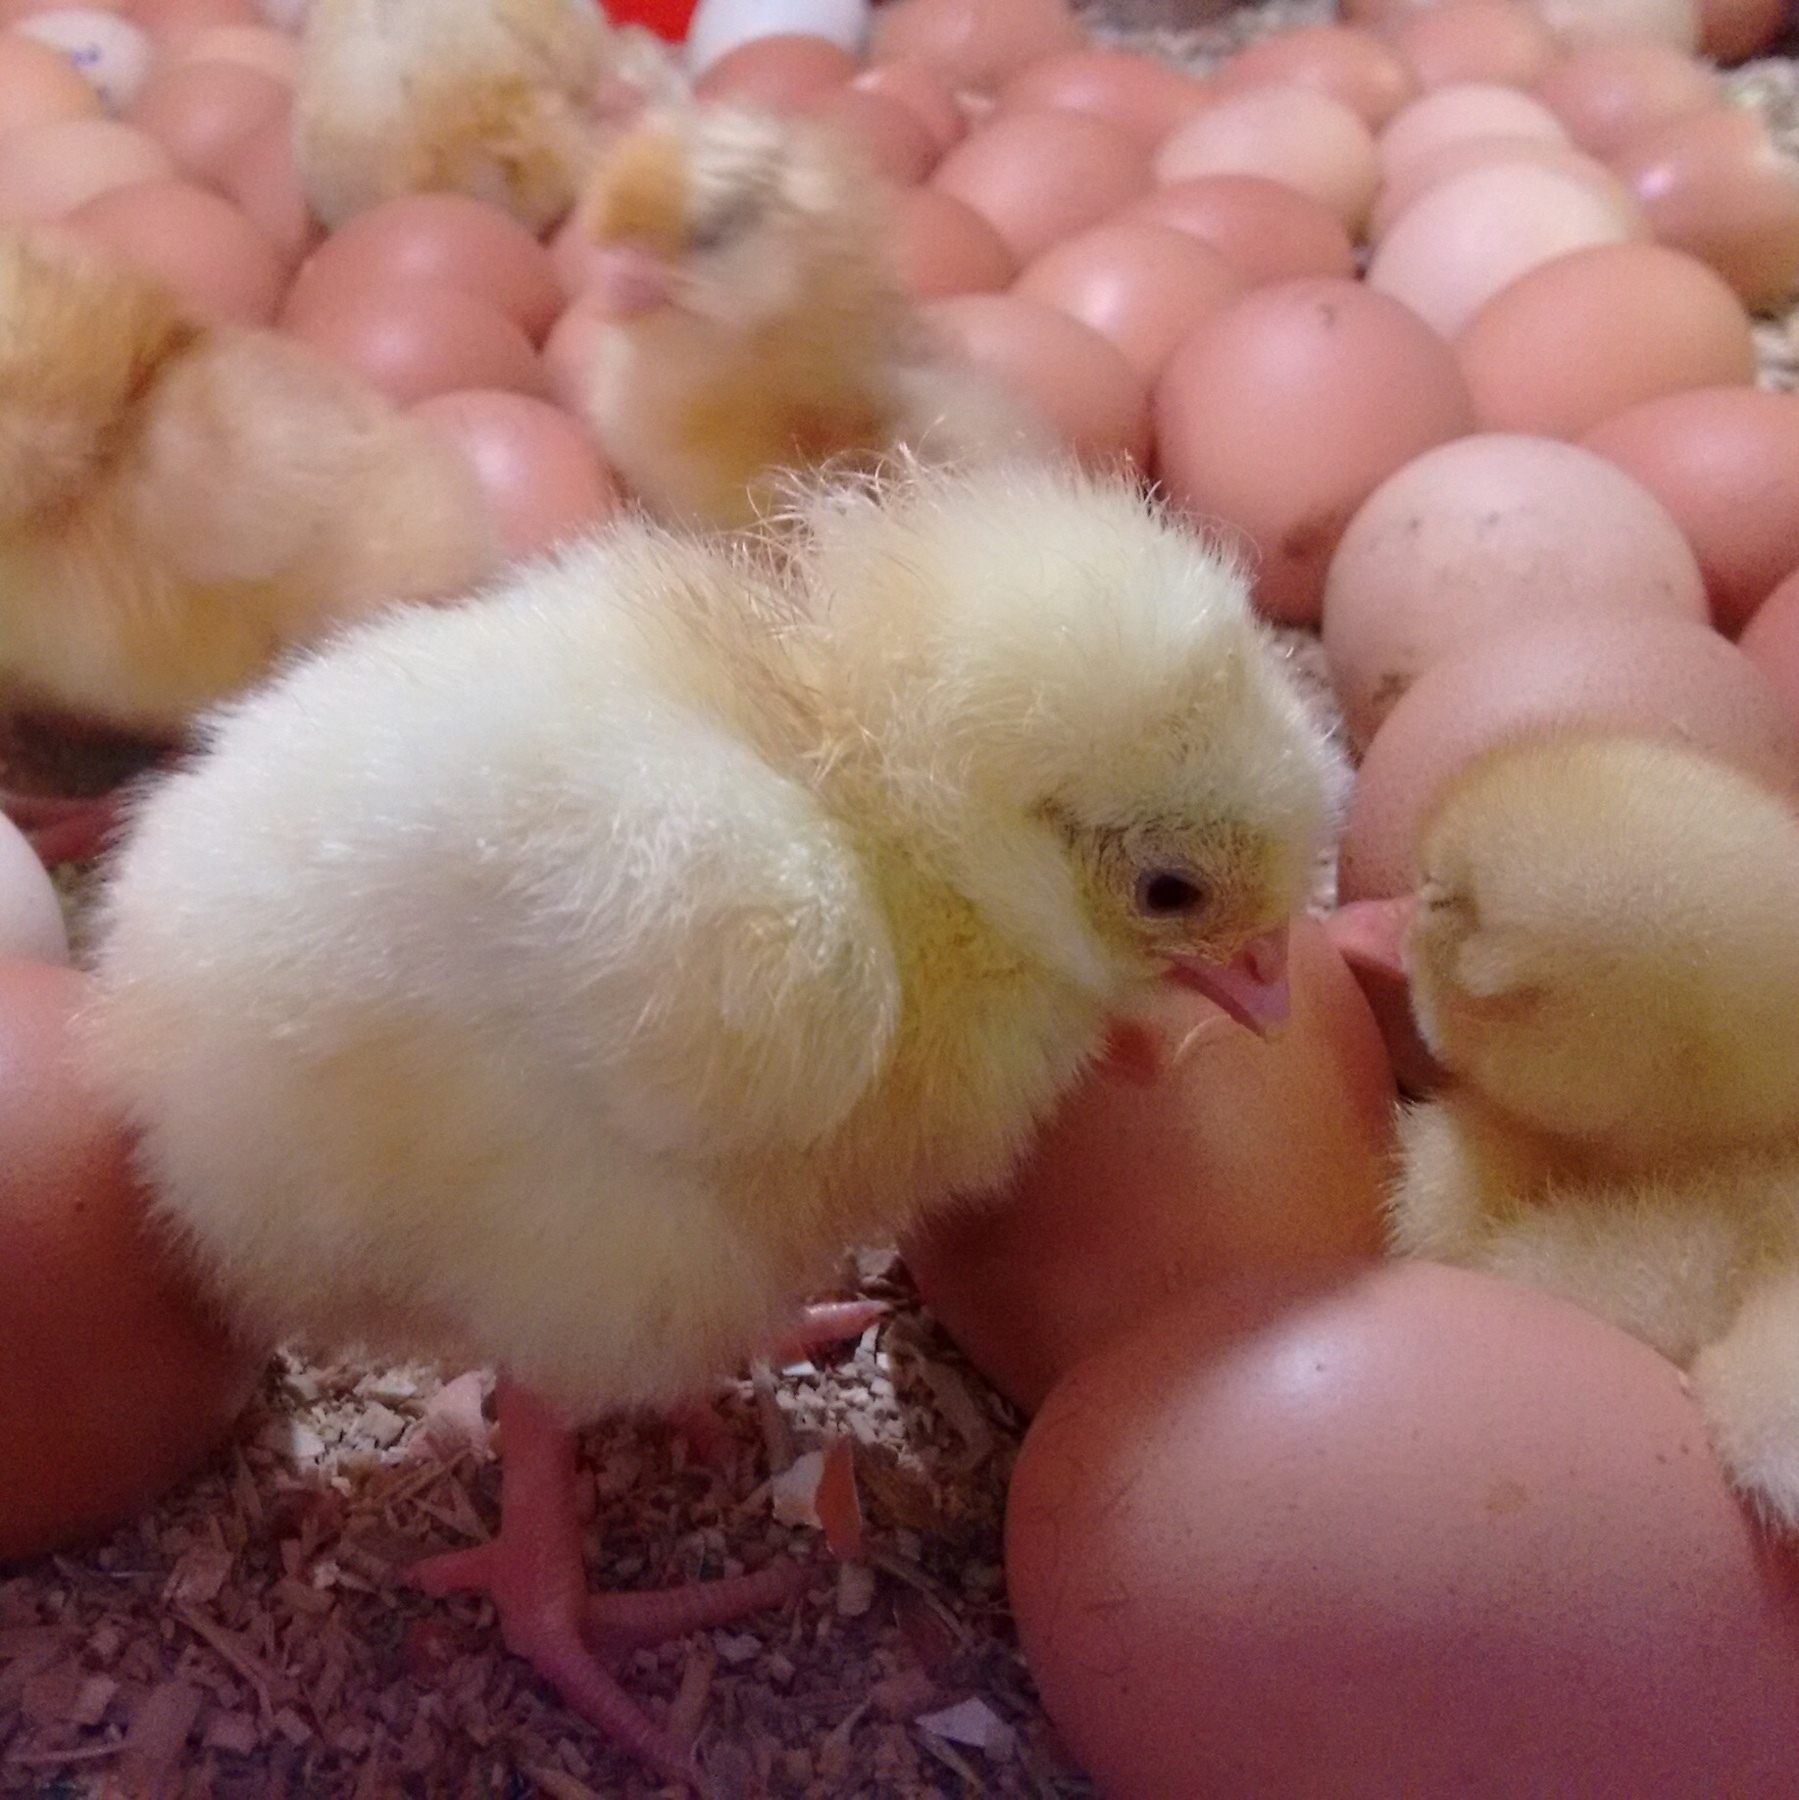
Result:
[
  {"x": 1747, "y": 1386},
  {"x": 533, "y": 1572}
]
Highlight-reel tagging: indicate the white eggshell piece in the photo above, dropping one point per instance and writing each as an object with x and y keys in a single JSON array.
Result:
[{"x": 112, "y": 53}]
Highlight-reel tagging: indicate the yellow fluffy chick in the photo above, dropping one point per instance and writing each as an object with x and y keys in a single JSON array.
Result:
[
  {"x": 1605, "y": 957},
  {"x": 755, "y": 324},
  {"x": 563, "y": 980},
  {"x": 181, "y": 503},
  {"x": 502, "y": 100}
]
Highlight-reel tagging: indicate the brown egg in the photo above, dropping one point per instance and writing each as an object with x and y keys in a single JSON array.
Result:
[
  {"x": 1369, "y": 935},
  {"x": 1091, "y": 397},
  {"x": 1270, "y": 231},
  {"x": 1577, "y": 22},
  {"x": 1282, "y": 413},
  {"x": 1605, "y": 94},
  {"x": 49, "y": 170},
  {"x": 255, "y": 46},
  {"x": 1591, "y": 333},
  {"x": 201, "y": 112},
  {"x": 571, "y": 354},
  {"x": 39, "y": 86},
  {"x": 1348, "y": 63},
  {"x": 1725, "y": 463},
  {"x": 442, "y": 240},
  {"x": 1771, "y": 642},
  {"x": 1238, "y": 1154},
  {"x": 1145, "y": 287},
  {"x": 893, "y": 139},
  {"x": 1732, "y": 31},
  {"x": 1487, "y": 41},
  {"x": 1136, "y": 93},
  {"x": 941, "y": 247},
  {"x": 1483, "y": 533},
  {"x": 1414, "y": 1532},
  {"x": 784, "y": 72},
  {"x": 1471, "y": 236},
  {"x": 412, "y": 340},
  {"x": 1039, "y": 177},
  {"x": 1715, "y": 186},
  {"x": 929, "y": 94},
  {"x": 175, "y": 21},
  {"x": 1416, "y": 176},
  {"x": 1305, "y": 139},
  {"x": 541, "y": 471},
  {"x": 201, "y": 245},
  {"x": 262, "y": 180},
  {"x": 1463, "y": 110},
  {"x": 117, "y": 1380},
  {"x": 1663, "y": 676},
  {"x": 976, "y": 43}
]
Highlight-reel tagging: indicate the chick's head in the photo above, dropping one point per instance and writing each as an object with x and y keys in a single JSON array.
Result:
[
  {"x": 1068, "y": 696},
  {"x": 1606, "y": 944}
]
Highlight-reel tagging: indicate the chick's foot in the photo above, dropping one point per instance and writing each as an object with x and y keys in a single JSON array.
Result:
[
  {"x": 61, "y": 830},
  {"x": 533, "y": 1573}
]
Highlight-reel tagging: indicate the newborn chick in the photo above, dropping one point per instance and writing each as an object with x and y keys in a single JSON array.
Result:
[
  {"x": 502, "y": 100},
  {"x": 1605, "y": 957},
  {"x": 564, "y": 980},
  {"x": 180, "y": 503},
  {"x": 755, "y": 325}
]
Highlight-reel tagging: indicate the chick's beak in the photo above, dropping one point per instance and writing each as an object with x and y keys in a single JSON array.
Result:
[
  {"x": 1251, "y": 987},
  {"x": 627, "y": 280}
]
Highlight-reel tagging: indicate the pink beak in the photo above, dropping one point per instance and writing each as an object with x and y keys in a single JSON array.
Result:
[
  {"x": 1251, "y": 988},
  {"x": 626, "y": 280}
]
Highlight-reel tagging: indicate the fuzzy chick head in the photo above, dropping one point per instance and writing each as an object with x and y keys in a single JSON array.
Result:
[
  {"x": 1606, "y": 943},
  {"x": 1068, "y": 694}
]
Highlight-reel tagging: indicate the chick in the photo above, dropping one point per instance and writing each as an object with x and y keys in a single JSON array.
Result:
[
  {"x": 1605, "y": 958},
  {"x": 181, "y": 503},
  {"x": 564, "y": 980},
  {"x": 503, "y": 100},
  {"x": 755, "y": 325}
]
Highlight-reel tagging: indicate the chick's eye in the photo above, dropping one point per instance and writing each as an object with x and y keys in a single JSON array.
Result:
[{"x": 1165, "y": 894}]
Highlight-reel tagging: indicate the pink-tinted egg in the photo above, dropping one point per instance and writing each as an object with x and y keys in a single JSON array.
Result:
[
  {"x": 1662, "y": 676},
  {"x": 1091, "y": 397},
  {"x": 1348, "y": 63},
  {"x": 927, "y": 91},
  {"x": 1732, "y": 31},
  {"x": 1485, "y": 41},
  {"x": 892, "y": 138},
  {"x": 1483, "y": 533},
  {"x": 49, "y": 170},
  {"x": 1284, "y": 411},
  {"x": 541, "y": 471},
  {"x": 1410, "y": 180},
  {"x": 263, "y": 180},
  {"x": 172, "y": 22},
  {"x": 1311, "y": 142},
  {"x": 31, "y": 919},
  {"x": 1771, "y": 642},
  {"x": 1145, "y": 287},
  {"x": 1269, "y": 230},
  {"x": 1605, "y": 94},
  {"x": 1235, "y": 1153},
  {"x": 1585, "y": 336},
  {"x": 38, "y": 86},
  {"x": 976, "y": 43},
  {"x": 571, "y": 354},
  {"x": 201, "y": 245},
  {"x": 1414, "y": 1531},
  {"x": 1137, "y": 93},
  {"x": 255, "y": 46},
  {"x": 1463, "y": 110},
  {"x": 784, "y": 72},
  {"x": 411, "y": 339},
  {"x": 1725, "y": 463},
  {"x": 1715, "y": 185},
  {"x": 201, "y": 112},
  {"x": 1039, "y": 177},
  {"x": 941, "y": 246},
  {"x": 443, "y": 240}
]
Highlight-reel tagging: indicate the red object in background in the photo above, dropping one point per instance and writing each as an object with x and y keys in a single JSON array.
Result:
[{"x": 667, "y": 18}]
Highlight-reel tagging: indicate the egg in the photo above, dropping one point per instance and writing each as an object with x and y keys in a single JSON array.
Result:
[
  {"x": 783, "y": 73},
  {"x": 262, "y": 180},
  {"x": 173, "y": 22},
  {"x": 1672, "y": 22},
  {"x": 201, "y": 112},
  {"x": 1481, "y": 41},
  {"x": 49, "y": 170},
  {"x": 117, "y": 1379},
  {"x": 941, "y": 246},
  {"x": 1410, "y": 180},
  {"x": 1606, "y": 93},
  {"x": 1144, "y": 287},
  {"x": 1238, "y": 1154},
  {"x": 891, "y": 136},
  {"x": 1137, "y": 93},
  {"x": 39, "y": 85},
  {"x": 976, "y": 43},
  {"x": 1666, "y": 677},
  {"x": 1464, "y": 110},
  {"x": 1344, "y": 61},
  {"x": 1715, "y": 185},
  {"x": 1083, "y": 387},
  {"x": 926, "y": 91},
  {"x": 1771, "y": 642},
  {"x": 1311, "y": 142},
  {"x": 1281, "y": 413},
  {"x": 1269, "y": 230},
  {"x": 1369, "y": 935},
  {"x": 1580, "y": 338},
  {"x": 572, "y": 354},
  {"x": 1482, "y": 533},
  {"x": 541, "y": 471},
  {"x": 1416, "y": 1532},
  {"x": 718, "y": 27},
  {"x": 1725, "y": 463},
  {"x": 255, "y": 46},
  {"x": 199, "y": 244},
  {"x": 1038, "y": 177},
  {"x": 31, "y": 921},
  {"x": 110, "y": 52},
  {"x": 411, "y": 339}
]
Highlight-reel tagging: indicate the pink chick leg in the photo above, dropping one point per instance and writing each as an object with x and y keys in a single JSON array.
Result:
[
  {"x": 533, "y": 1573},
  {"x": 60, "y": 830}
]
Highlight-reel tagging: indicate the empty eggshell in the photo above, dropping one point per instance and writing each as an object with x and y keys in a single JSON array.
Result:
[
  {"x": 977, "y": 43},
  {"x": 717, "y": 27},
  {"x": 31, "y": 921},
  {"x": 1285, "y": 410},
  {"x": 39, "y": 85},
  {"x": 49, "y": 170},
  {"x": 1482, "y": 533},
  {"x": 785, "y": 72},
  {"x": 1348, "y": 63},
  {"x": 1724, "y": 462},
  {"x": 1269, "y": 230},
  {"x": 1416, "y": 1532},
  {"x": 1481, "y": 41},
  {"x": 941, "y": 246},
  {"x": 110, "y": 52},
  {"x": 201, "y": 112},
  {"x": 1604, "y": 94},
  {"x": 1139, "y": 94},
  {"x": 1462, "y": 110},
  {"x": 1580, "y": 338}
]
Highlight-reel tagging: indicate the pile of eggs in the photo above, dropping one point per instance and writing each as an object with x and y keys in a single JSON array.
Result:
[{"x": 1443, "y": 317}]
